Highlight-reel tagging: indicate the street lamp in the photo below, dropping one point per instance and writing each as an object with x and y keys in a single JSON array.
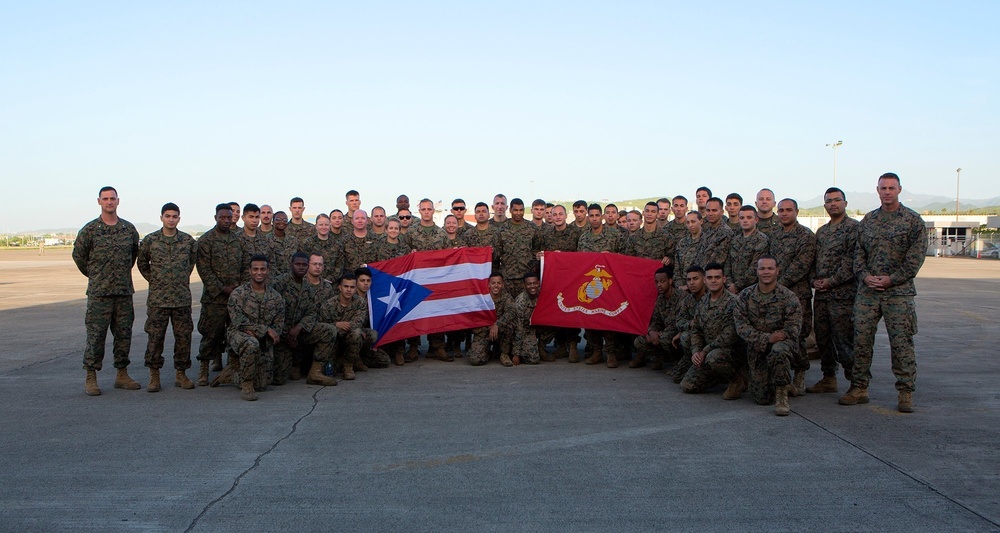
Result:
[
  {"x": 835, "y": 146},
  {"x": 958, "y": 182}
]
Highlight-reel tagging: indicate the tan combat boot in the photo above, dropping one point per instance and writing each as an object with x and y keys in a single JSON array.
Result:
[
  {"x": 442, "y": 355},
  {"x": 124, "y": 381},
  {"x": 203, "y": 374},
  {"x": 736, "y": 388},
  {"x": 217, "y": 364},
  {"x": 657, "y": 364},
  {"x": 317, "y": 377},
  {"x": 544, "y": 355},
  {"x": 181, "y": 380},
  {"x": 596, "y": 357},
  {"x": 397, "y": 358},
  {"x": 798, "y": 386},
  {"x": 574, "y": 354},
  {"x": 247, "y": 392},
  {"x": 905, "y": 402},
  {"x": 360, "y": 366},
  {"x": 90, "y": 385},
  {"x": 827, "y": 384},
  {"x": 781, "y": 401},
  {"x": 154, "y": 380},
  {"x": 348, "y": 370},
  {"x": 296, "y": 373},
  {"x": 561, "y": 350},
  {"x": 505, "y": 360},
  {"x": 854, "y": 396},
  {"x": 412, "y": 354},
  {"x": 612, "y": 361},
  {"x": 638, "y": 362}
]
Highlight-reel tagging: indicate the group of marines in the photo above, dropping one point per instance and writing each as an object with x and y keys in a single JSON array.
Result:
[{"x": 737, "y": 295}]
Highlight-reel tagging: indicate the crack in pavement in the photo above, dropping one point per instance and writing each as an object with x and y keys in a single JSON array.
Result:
[
  {"x": 256, "y": 463},
  {"x": 898, "y": 468}
]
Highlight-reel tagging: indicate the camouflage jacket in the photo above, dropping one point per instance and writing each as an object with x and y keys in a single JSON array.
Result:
[
  {"x": 795, "y": 250},
  {"x": 653, "y": 245},
  {"x": 105, "y": 254},
  {"x": 331, "y": 312},
  {"x": 757, "y": 315},
  {"x": 688, "y": 254},
  {"x": 835, "y": 248},
  {"x": 302, "y": 300},
  {"x": 605, "y": 241},
  {"x": 506, "y": 313},
  {"x": 676, "y": 228},
  {"x": 891, "y": 243},
  {"x": 361, "y": 250},
  {"x": 282, "y": 249},
  {"x": 686, "y": 310},
  {"x": 220, "y": 263},
  {"x": 423, "y": 238},
  {"x": 332, "y": 250},
  {"x": 391, "y": 251},
  {"x": 713, "y": 325},
  {"x": 258, "y": 244},
  {"x": 665, "y": 311},
  {"x": 301, "y": 232},
  {"x": 524, "y": 306},
  {"x": 550, "y": 239},
  {"x": 167, "y": 263},
  {"x": 744, "y": 251},
  {"x": 714, "y": 243},
  {"x": 734, "y": 224},
  {"x": 476, "y": 238},
  {"x": 256, "y": 312},
  {"x": 516, "y": 246},
  {"x": 769, "y": 225}
]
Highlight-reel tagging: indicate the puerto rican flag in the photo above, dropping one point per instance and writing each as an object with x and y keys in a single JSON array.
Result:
[{"x": 431, "y": 292}]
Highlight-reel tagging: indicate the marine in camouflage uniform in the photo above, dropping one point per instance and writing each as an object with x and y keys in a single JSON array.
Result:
[
  {"x": 757, "y": 315},
  {"x": 689, "y": 253},
  {"x": 251, "y": 315},
  {"x": 346, "y": 347},
  {"x": 600, "y": 342},
  {"x": 794, "y": 248},
  {"x": 836, "y": 244},
  {"x": 256, "y": 244},
  {"x": 332, "y": 250},
  {"x": 423, "y": 238},
  {"x": 714, "y": 243},
  {"x": 282, "y": 249},
  {"x": 479, "y": 354},
  {"x": 685, "y": 318},
  {"x": 361, "y": 250},
  {"x": 166, "y": 262},
  {"x": 713, "y": 332},
  {"x": 530, "y": 341},
  {"x": 769, "y": 226},
  {"x": 302, "y": 231},
  {"x": 654, "y": 245},
  {"x": 302, "y": 304},
  {"x": 892, "y": 243},
  {"x": 744, "y": 251},
  {"x": 105, "y": 254},
  {"x": 552, "y": 239},
  {"x": 516, "y": 246},
  {"x": 662, "y": 324},
  {"x": 676, "y": 229},
  {"x": 220, "y": 267}
]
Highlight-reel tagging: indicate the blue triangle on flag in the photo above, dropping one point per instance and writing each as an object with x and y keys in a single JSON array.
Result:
[{"x": 390, "y": 298}]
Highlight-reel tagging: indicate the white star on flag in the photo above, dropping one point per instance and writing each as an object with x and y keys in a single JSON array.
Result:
[{"x": 392, "y": 300}]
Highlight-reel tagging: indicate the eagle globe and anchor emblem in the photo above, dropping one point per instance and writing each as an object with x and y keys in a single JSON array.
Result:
[{"x": 590, "y": 291}]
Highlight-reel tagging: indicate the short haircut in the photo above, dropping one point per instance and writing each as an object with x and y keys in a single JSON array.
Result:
[
  {"x": 538, "y": 201},
  {"x": 260, "y": 257},
  {"x": 748, "y": 208},
  {"x": 481, "y": 204},
  {"x": 766, "y": 189},
  {"x": 558, "y": 206},
  {"x": 734, "y": 196},
  {"x": 296, "y": 200},
  {"x": 517, "y": 201},
  {"x": 105, "y": 189},
  {"x": 579, "y": 203},
  {"x": 223, "y": 207},
  {"x": 449, "y": 215},
  {"x": 832, "y": 190},
  {"x": 716, "y": 199},
  {"x": 549, "y": 205},
  {"x": 500, "y": 195},
  {"x": 251, "y": 208},
  {"x": 531, "y": 274},
  {"x": 886, "y": 176},
  {"x": 695, "y": 268},
  {"x": 237, "y": 204},
  {"x": 703, "y": 189},
  {"x": 695, "y": 213},
  {"x": 363, "y": 271},
  {"x": 351, "y": 193},
  {"x": 379, "y": 208},
  {"x": 768, "y": 256},
  {"x": 714, "y": 265},
  {"x": 457, "y": 201},
  {"x": 596, "y": 206},
  {"x": 651, "y": 204},
  {"x": 170, "y": 206},
  {"x": 680, "y": 197},
  {"x": 276, "y": 213},
  {"x": 663, "y": 201},
  {"x": 300, "y": 255},
  {"x": 668, "y": 270},
  {"x": 794, "y": 203},
  {"x": 348, "y": 276},
  {"x": 426, "y": 201},
  {"x": 496, "y": 274},
  {"x": 611, "y": 205}
]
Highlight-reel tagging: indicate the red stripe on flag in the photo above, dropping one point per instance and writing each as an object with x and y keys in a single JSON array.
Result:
[
  {"x": 458, "y": 288},
  {"x": 435, "y": 258},
  {"x": 439, "y": 324}
]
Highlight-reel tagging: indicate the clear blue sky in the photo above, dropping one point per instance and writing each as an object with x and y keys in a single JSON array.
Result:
[{"x": 204, "y": 102}]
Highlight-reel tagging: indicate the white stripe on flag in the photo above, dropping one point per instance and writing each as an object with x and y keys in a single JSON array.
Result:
[
  {"x": 448, "y": 274},
  {"x": 449, "y": 306}
]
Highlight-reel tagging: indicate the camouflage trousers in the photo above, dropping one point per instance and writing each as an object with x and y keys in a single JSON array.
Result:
[
  {"x": 528, "y": 339},
  {"x": 720, "y": 365},
  {"x": 286, "y": 357},
  {"x": 769, "y": 369},
  {"x": 372, "y": 357},
  {"x": 344, "y": 348},
  {"x": 479, "y": 353},
  {"x": 900, "y": 314},
  {"x": 599, "y": 338},
  {"x": 800, "y": 360},
  {"x": 624, "y": 345},
  {"x": 256, "y": 357},
  {"x": 157, "y": 319},
  {"x": 212, "y": 324},
  {"x": 834, "y": 326},
  {"x": 103, "y": 313},
  {"x": 684, "y": 361},
  {"x": 663, "y": 352}
]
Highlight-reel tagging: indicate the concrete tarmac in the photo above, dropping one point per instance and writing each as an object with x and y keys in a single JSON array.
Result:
[{"x": 435, "y": 446}]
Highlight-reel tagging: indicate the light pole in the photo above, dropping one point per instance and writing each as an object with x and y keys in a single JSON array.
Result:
[
  {"x": 958, "y": 183},
  {"x": 835, "y": 146}
]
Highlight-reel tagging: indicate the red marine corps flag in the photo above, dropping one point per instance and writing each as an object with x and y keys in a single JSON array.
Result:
[{"x": 599, "y": 290}]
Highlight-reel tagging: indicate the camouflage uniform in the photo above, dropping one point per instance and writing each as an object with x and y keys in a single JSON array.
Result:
[
  {"x": 167, "y": 263},
  {"x": 685, "y": 317},
  {"x": 477, "y": 238},
  {"x": 744, "y": 251},
  {"x": 794, "y": 251},
  {"x": 733, "y": 223},
  {"x": 567, "y": 240},
  {"x": 388, "y": 250},
  {"x": 757, "y": 315},
  {"x": 371, "y": 357},
  {"x": 105, "y": 254},
  {"x": 463, "y": 227},
  {"x": 890, "y": 243},
  {"x": 256, "y": 245},
  {"x": 220, "y": 264},
  {"x": 834, "y": 309},
  {"x": 479, "y": 354},
  {"x": 653, "y": 245},
  {"x": 423, "y": 238},
  {"x": 282, "y": 249},
  {"x": 663, "y": 324},
  {"x": 346, "y": 347},
  {"x": 302, "y": 231},
  {"x": 361, "y": 250},
  {"x": 516, "y": 246},
  {"x": 256, "y": 313},
  {"x": 302, "y": 302},
  {"x": 608, "y": 240},
  {"x": 332, "y": 250},
  {"x": 713, "y": 332},
  {"x": 528, "y": 339},
  {"x": 676, "y": 228},
  {"x": 689, "y": 253},
  {"x": 768, "y": 226},
  {"x": 714, "y": 243}
]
